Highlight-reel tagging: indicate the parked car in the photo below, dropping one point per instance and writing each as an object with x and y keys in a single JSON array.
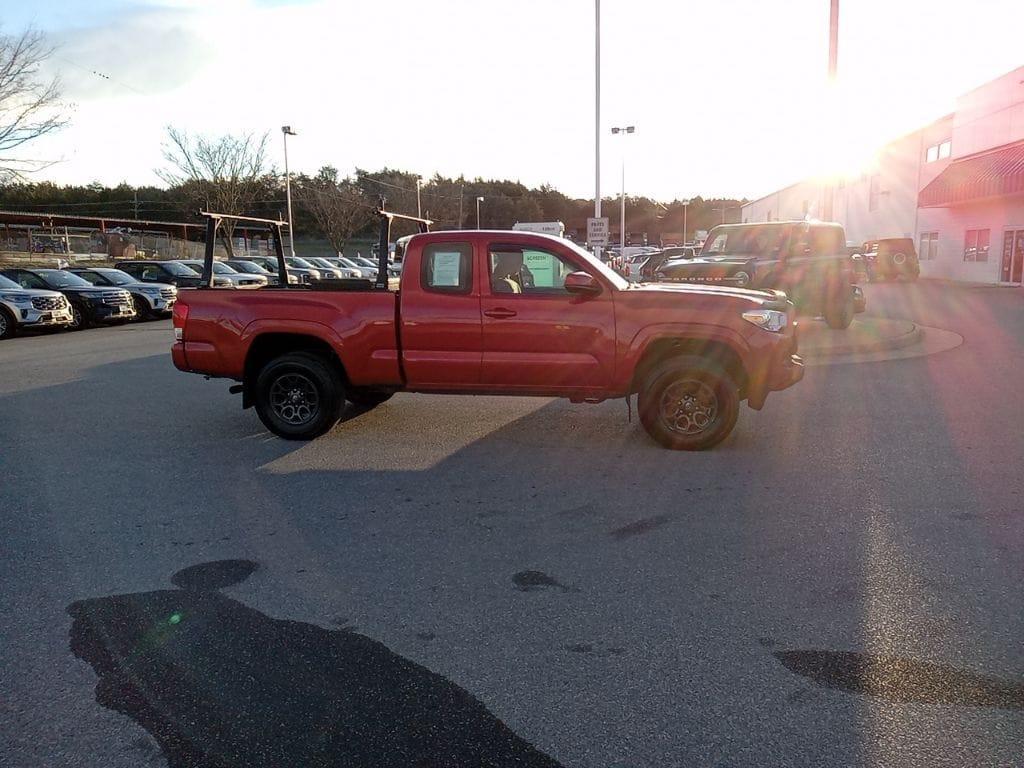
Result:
[
  {"x": 891, "y": 258},
  {"x": 807, "y": 260},
  {"x": 466, "y": 319},
  {"x": 307, "y": 272},
  {"x": 359, "y": 270},
  {"x": 250, "y": 267},
  {"x": 163, "y": 272},
  {"x": 270, "y": 265},
  {"x": 30, "y": 308},
  {"x": 393, "y": 270},
  {"x": 224, "y": 272},
  {"x": 150, "y": 299},
  {"x": 656, "y": 259},
  {"x": 89, "y": 303},
  {"x": 330, "y": 271}
]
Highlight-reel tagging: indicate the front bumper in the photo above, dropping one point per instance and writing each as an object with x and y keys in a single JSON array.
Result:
[
  {"x": 111, "y": 313},
  {"x": 36, "y": 318},
  {"x": 783, "y": 368},
  {"x": 159, "y": 304}
]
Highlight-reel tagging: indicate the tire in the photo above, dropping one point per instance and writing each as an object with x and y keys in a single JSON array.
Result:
[
  {"x": 365, "y": 398},
  {"x": 677, "y": 395},
  {"x": 79, "y": 319},
  {"x": 8, "y": 328},
  {"x": 299, "y": 396},
  {"x": 142, "y": 310},
  {"x": 839, "y": 311}
]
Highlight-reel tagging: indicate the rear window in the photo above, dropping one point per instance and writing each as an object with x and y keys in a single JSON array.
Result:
[{"x": 447, "y": 267}]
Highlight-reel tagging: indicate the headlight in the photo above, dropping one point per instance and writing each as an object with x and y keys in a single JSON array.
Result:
[
  {"x": 17, "y": 298},
  {"x": 292, "y": 280},
  {"x": 769, "y": 319},
  {"x": 314, "y": 274}
]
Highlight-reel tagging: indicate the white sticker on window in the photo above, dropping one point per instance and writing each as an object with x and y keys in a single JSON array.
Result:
[{"x": 446, "y": 269}]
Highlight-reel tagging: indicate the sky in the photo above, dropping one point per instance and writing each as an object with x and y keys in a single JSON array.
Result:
[{"x": 729, "y": 97}]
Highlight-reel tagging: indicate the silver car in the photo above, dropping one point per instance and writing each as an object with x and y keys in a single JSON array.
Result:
[
  {"x": 30, "y": 308},
  {"x": 224, "y": 272}
]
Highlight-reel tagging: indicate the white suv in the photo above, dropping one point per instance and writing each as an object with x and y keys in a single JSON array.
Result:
[{"x": 30, "y": 308}]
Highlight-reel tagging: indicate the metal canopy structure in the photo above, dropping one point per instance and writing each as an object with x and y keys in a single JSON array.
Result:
[
  {"x": 213, "y": 229},
  {"x": 386, "y": 217}
]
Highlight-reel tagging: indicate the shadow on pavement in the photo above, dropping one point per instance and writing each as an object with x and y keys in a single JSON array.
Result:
[{"x": 219, "y": 684}]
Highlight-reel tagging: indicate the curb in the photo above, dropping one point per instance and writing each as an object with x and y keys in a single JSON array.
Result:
[{"x": 911, "y": 337}]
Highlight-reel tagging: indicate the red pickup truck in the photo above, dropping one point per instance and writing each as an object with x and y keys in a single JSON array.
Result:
[{"x": 495, "y": 312}]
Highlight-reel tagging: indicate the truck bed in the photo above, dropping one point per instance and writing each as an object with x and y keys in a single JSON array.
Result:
[{"x": 223, "y": 325}]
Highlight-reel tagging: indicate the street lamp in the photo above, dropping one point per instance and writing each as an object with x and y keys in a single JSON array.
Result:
[
  {"x": 478, "y": 201},
  {"x": 622, "y": 220},
  {"x": 597, "y": 116},
  {"x": 419, "y": 210},
  {"x": 286, "y": 131},
  {"x": 686, "y": 205}
]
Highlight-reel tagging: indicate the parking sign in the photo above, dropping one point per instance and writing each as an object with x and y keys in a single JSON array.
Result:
[{"x": 597, "y": 231}]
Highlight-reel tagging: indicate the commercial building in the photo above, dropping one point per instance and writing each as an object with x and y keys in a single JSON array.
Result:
[{"x": 956, "y": 186}]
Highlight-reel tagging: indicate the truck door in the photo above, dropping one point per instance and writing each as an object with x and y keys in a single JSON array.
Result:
[
  {"x": 440, "y": 318},
  {"x": 536, "y": 335}
]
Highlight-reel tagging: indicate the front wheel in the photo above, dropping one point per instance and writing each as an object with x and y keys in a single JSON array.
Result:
[
  {"x": 299, "y": 396},
  {"x": 142, "y": 310},
  {"x": 7, "y": 325},
  {"x": 689, "y": 404},
  {"x": 79, "y": 319}
]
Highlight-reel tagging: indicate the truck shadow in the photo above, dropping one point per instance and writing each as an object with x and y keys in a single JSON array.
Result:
[{"x": 220, "y": 684}]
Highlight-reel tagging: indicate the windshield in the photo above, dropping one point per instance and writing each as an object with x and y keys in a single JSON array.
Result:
[
  {"x": 762, "y": 240},
  {"x": 8, "y": 284},
  {"x": 178, "y": 269},
  {"x": 220, "y": 268},
  {"x": 58, "y": 278},
  {"x": 248, "y": 267},
  {"x": 321, "y": 262},
  {"x": 299, "y": 262}
]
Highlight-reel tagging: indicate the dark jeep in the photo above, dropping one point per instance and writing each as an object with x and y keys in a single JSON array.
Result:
[
  {"x": 891, "y": 258},
  {"x": 807, "y": 260}
]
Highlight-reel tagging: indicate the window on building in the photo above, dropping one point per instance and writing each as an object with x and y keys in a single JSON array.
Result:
[
  {"x": 976, "y": 243},
  {"x": 874, "y": 191},
  {"x": 933, "y": 154},
  {"x": 928, "y": 247},
  {"x": 945, "y": 149}
]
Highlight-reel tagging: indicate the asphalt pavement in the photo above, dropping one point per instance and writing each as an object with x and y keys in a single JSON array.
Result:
[{"x": 481, "y": 581}]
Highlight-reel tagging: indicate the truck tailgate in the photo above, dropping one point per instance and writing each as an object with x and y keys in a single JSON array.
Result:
[{"x": 221, "y": 325}]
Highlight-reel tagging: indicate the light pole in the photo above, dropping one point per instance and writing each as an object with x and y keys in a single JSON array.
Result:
[
  {"x": 833, "y": 64},
  {"x": 725, "y": 208},
  {"x": 478, "y": 201},
  {"x": 597, "y": 115},
  {"x": 419, "y": 209},
  {"x": 286, "y": 131},
  {"x": 686, "y": 204},
  {"x": 622, "y": 220}
]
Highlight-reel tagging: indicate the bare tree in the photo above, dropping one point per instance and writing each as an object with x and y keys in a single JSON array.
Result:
[
  {"x": 338, "y": 205},
  {"x": 30, "y": 104},
  {"x": 226, "y": 174}
]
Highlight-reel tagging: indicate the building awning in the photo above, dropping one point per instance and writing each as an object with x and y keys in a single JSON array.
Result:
[{"x": 990, "y": 174}]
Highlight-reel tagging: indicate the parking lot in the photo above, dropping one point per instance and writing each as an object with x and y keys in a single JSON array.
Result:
[{"x": 836, "y": 584}]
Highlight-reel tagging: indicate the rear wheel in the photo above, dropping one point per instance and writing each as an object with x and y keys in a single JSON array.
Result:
[
  {"x": 839, "y": 312},
  {"x": 689, "y": 404},
  {"x": 299, "y": 396},
  {"x": 7, "y": 325}
]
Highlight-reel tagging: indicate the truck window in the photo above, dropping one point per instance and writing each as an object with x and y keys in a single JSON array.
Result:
[
  {"x": 527, "y": 270},
  {"x": 447, "y": 267}
]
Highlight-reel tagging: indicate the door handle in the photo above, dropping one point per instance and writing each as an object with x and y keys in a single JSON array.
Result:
[{"x": 499, "y": 313}]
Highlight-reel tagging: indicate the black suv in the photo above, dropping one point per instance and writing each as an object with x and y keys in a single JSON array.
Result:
[
  {"x": 89, "y": 303},
  {"x": 172, "y": 272},
  {"x": 891, "y": 258},
  {"x": 807, "y": 260}
]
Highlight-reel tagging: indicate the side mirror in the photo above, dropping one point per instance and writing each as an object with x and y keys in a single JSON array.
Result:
[{"x": 582, "y": 283}]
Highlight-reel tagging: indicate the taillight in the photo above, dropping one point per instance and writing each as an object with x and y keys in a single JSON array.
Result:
[{"x": 179, "y": 316}]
